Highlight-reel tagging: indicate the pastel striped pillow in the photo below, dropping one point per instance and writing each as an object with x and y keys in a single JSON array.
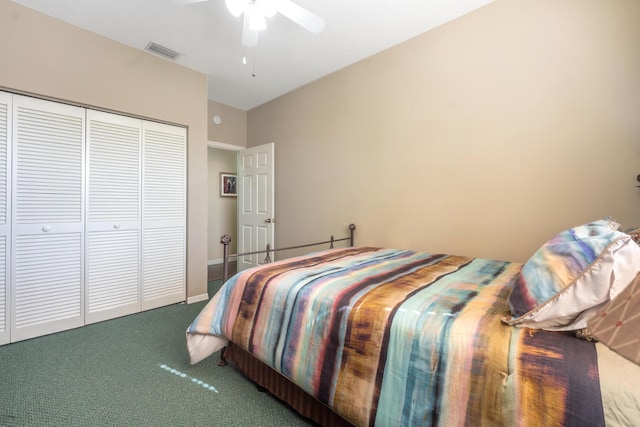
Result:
[{"x": 572, "y": 275}]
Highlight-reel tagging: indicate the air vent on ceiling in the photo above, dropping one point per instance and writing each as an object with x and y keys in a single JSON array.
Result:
[{"x": 165, "y": 52}]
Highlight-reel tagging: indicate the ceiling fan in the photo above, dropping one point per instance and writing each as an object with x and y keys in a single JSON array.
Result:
[{"x": 256, "y": 11}]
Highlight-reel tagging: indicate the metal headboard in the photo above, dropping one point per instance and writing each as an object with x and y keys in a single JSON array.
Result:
[{"x": 226, "y": 241}]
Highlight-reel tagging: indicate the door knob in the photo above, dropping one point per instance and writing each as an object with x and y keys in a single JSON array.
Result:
[{"x": 270, "y": 220}]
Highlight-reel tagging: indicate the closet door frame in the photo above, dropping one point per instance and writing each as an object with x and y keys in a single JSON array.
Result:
[{"x": 47, "y": 226}]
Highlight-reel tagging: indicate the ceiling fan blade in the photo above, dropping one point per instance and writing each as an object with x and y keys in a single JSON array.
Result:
[
  {"x": 249, "y": 36},
  {"x": 301, "y": 16}
]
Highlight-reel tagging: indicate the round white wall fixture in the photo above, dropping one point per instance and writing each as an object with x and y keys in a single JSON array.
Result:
[{"x": 217, "y": 120}]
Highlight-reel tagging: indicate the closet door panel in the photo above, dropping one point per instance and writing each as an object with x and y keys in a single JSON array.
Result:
[
  {"x": 5, "y": 187},
  {"x": 164, "y": 266},
  {"x": 113, "y": 271},
  {"x": 48, "y": 277},
  {"x": 164, "y": 215},
  {"x": 47, "y": 217},
  {"x": 113, "y": 216},
  {"x": 5, "y": 335}
]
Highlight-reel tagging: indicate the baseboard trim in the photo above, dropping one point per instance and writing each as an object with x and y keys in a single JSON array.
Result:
[
  {"x": 215, "y": 261},
  {"x": 197, "y": 298}
]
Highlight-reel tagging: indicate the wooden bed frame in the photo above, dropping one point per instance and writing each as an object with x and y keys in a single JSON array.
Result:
[{"x": 265, "y": 376}]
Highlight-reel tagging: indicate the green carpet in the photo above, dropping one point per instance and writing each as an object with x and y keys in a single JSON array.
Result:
[{"x": 130, "y": 371}]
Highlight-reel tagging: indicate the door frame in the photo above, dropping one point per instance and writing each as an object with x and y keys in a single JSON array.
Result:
[
  {"x": 226, "y": 147},
  {"x": 237, "y": 149}
]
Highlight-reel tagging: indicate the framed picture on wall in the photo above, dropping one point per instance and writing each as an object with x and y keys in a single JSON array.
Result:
[{"x": 228, "y": 184}]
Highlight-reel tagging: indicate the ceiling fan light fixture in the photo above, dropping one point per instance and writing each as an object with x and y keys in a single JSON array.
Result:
[
  {"x": 236, "y": 7},
  {"x": 257, "y": 21},
  {"x": 267, "y": 7},
  {"x": 256, "y": 13}
]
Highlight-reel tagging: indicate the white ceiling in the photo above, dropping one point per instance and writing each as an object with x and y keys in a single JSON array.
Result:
[{"x": 286, "y": 57}]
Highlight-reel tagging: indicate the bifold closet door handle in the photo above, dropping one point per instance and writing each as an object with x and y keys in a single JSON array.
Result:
[{"x": 46, "y": 228}]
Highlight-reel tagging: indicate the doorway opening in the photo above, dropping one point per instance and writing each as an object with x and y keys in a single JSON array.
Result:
[{"x": 222, "y": 213}]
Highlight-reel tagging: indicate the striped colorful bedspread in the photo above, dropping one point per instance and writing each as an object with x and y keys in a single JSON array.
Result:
[{"x": 389, "y": 337}]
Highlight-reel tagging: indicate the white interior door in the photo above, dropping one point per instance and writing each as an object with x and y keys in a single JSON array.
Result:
[
  {"x": 47, "y": 217},
  {"x": 112, "y": 274},
  {"x": 5, "y": 222},
  {"x": 256, "y": 216}
]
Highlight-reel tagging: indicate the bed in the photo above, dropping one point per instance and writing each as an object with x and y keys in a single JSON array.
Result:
[{"x": 389, "y": 337}]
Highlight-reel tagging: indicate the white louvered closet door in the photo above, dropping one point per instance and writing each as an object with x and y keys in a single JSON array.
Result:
[
  {"x": 113, "y": 216},
  {"x": 47, "y": 217},
  {"x": 164, "y": 215},
  {"x": 5, "y": 223}
]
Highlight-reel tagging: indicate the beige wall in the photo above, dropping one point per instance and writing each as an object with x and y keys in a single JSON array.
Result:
[
  {"x": 233, "y": 127},
  {"x": 47, "y": 57},
  {"x": 483, "y": 137},
  {"x": 231, "y": 134},
  {"x": 223, "y": 211}
]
